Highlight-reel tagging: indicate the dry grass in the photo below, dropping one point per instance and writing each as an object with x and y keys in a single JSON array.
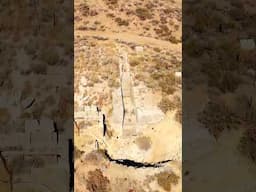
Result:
[
  {"x": 143, "y": 13},
  {"x": 178, "y": 115},
  {"x": 50, "y": 56},
  {"x": 111, "y": 3},
  {"x": 39, "y": 68},
  {"x": 216, "y": 117},
  {"x": 167, "y": 83},
  {"x": 166, "y": 104},
  {"x": 136, "y": 60},
  {"x": 122, "y": 22},
  {"x": 4, "y": 115},
  {"x": 247, "y": 145}
]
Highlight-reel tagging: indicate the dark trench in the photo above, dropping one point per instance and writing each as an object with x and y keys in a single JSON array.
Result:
[
  {"x": 104, "y": 125},
  {"x": 131, "y": 163}
]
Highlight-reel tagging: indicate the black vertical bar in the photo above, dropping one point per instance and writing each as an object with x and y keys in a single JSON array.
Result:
[{"x": 71, "y": 164}]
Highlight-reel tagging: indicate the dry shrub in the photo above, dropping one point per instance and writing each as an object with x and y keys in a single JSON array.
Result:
[
  {"x": 134, "y": 62},
  {"x": 156, "y": 49},
  {"x": 97, "y": 182},
  {"x": 216, "y": 117},
  {"x": 111, "y": 3},
  {"x": 178, "y": 115},
  {"x": 95, "y": 78},
  {"x": 247, "y": 145},
  {"x": 195, "y": 48},
  {"x": 226, "y": 81},
  {"x": 247, "y": 108},
  {"x": 174, "y": 40},
  {"x": 50, "y": 56},
  {"x": 223, "y": 71},
  {"x": 39, "y": 68},
  {"x": 167, "y": 179},
  {"x": 122, "y": 22},
  {"x": 143, "y": 13},
  {"x": 156, "y": 75},
  {"x": 166, "y": 104},
  {"x": 78, "y": 153},
  {"x": 110, "y": 15},
  {"x": 167, "y": 83},
  {"x": 4, "y": 115},
  {"x": 113, "y": 82}
]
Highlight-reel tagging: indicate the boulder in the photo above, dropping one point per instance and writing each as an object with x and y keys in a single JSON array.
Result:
[{"x": 247, "y": 44}]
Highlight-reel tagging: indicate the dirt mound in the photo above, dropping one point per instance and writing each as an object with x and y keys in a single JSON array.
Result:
[
  {"x": 166, "y": 180},
  {"x": 97, "y": 182},
  {"x": 143, "y": 143}
]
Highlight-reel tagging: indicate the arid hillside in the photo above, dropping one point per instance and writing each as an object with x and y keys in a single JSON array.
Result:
[
  {"x": 128, "y": 96},
  {"x": 157, "y": 19}
]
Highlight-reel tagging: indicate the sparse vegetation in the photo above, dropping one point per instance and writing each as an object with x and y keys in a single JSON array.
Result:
[
  {"x": 129, "y": 27},
  {"x": 247, "y": 145},
  {"x": 167, "y": 83},
  {"x": 78, "y": 153},
  {"x": 111, "y": 3},
  {"x": 166, "y": 104},
  {"x": 4, "y": 116},
  {"x": 143, "y": 13},
  {"x": 50, "y": 56},
  {"x": 122, "y": 22},
  {"x": 136, "y": 60},
  {"x": 39, "y": 68},
  {"x": 216, "y": 117},
  {"x": 178, "y": 115},
  {"x": 247, "y": 105}
]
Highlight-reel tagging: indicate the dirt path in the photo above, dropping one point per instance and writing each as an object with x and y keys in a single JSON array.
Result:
[{"x": 131, "y": 38}]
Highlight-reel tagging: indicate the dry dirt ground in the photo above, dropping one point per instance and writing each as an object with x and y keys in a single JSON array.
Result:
[{"x": 102, "y": 28}]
